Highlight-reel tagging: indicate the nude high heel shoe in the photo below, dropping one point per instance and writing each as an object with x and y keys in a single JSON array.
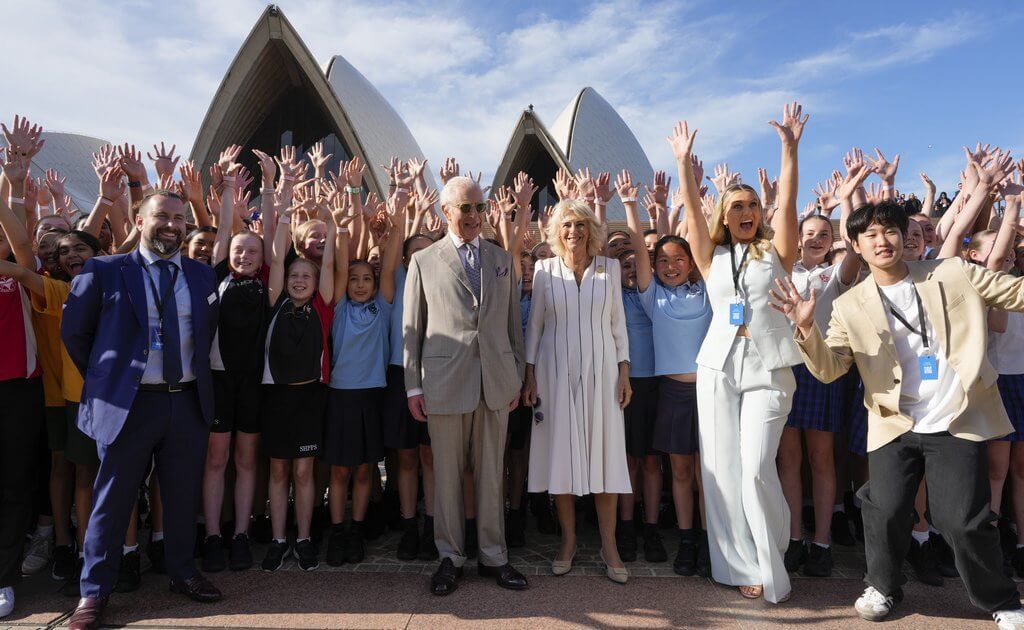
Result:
[
  {"x": 561, "y": 567},
  {"x": 619, "y": 576}
]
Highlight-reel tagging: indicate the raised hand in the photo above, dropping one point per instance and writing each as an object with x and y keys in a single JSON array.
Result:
[
  {"x": 112, "y": 184},
  {"x": 565, "y": 185},
  {"x": 104, "y": 160},
  {"x": 228, "y": 160},
  {"x": 707, "y": 205},
  {"x": 318, "y": 158},
  {"x": 268, "y": 169},
  {"x": 506, "y": 203},
  {"x": 997, "y": 168},
  {"x": 15, "y": 168},
  {"x": 434, "y": 223},
  {"x": 723, "y": 177},
  {"x": 523, "y": 189},
  {"x": 790, "y": 303},
  {"x": 585, "y": 184},
  {"x": 928, "y": 183},
  {"x": 681, "y": 141},
  {"x": 698, "y": 168},
  {"x": 54, "y": 182},
  {"x": 856, "y": 172},
  {"x": 164, "y": 161},
  {"x": 792, "y": 126},
  {"x": 603, "y": 189},
  {"x": 422, "y": 204},
  {"x": 626, "y": 188},
  {"x": 826, "y": 194},
  {"x": 23, "y": 137},
  {"x": 416, "y": 168},
  {"x": 885, "y": 169},
  {"x": 659, "y": 189},
  {"x": 769, "y": 188},
  {"x": 353, "y": 173},
  {"x": 875, "y": 193},
  {"x": 130, "y": 161},
  {"x": 449, "y": 169}
]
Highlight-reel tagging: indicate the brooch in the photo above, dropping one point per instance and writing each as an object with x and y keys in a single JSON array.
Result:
[{"x": 600, "y": 269}]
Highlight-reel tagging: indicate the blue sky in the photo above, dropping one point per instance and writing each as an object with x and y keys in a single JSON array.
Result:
[{"x": 916, "y": 78}]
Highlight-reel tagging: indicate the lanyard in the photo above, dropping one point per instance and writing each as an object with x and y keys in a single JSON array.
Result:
[
  {"x": 161, "y": 300},
  {"x": 923, "y": 333},
  {"x": 736, "y": 271}
]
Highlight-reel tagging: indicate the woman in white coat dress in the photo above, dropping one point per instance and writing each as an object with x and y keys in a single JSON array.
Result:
[{"x": 577, "y": 380}]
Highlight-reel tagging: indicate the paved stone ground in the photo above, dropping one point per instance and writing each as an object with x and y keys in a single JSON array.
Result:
[{"x": 393, "y": 594}]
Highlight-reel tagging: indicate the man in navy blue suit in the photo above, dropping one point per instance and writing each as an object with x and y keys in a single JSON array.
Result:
[{"x": 139, "y": 327}]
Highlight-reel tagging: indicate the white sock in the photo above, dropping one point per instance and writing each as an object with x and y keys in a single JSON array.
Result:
[
  {"x": 280, "y": 540},
  {"x": 793, "y": 540},
  {"x": 933, "y": 530},
  {"x": 821, "y": 545},
  {"x": 838, "y": 508},
  {"x": 127, "y": 549},
  {"x": 158, "y": 536},
  {"x": 301, "y": 540},
  {"x": 920, "y": 537}
]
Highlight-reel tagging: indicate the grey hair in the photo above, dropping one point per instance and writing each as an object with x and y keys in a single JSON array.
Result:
[{"x": 456, "y": 185}]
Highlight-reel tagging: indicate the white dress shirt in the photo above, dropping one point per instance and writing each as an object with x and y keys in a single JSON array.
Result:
[{"x": 154, "y": 373}]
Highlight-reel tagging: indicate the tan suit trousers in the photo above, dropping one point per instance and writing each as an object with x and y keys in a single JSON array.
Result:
[{"x": 475, "y": 439}]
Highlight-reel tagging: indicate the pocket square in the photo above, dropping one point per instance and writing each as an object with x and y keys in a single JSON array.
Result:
[
  {"x": 501, "y": 272},
  {"x": 210, "y": 299}
]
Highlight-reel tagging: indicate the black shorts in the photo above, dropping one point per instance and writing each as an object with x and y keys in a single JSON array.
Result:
[
  {"x": 640, "y": 415},
  {"x": 520, "y": 425},
  {"x": 353, "y": 424},
  {"x": 293, "y": 420},
  {"x": 675, "y": 431},
  {"x": 236, "y": 402},
  {"x": 399, "y": 429},
  {"x": 79, "y": 448}
]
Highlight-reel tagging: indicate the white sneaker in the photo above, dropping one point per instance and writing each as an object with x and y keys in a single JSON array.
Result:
[
  {"x": 873, "y": 606},
  {"x": 6, "y": 601},
  {"x": 38, "y": 556},
  {"x": 1009, "y": 619}
]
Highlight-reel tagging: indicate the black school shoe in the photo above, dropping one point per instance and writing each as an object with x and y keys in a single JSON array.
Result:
[
  {"x": 818, "y": 562},
  {"x": 215, "y": 557},
  {"x": 72, "y": 586},
  {"x": 336, "y": 545},
  {"x": 276, "y": 553},
  {"x": 796, "y": 555},
  {"x": 239, "y": 553},
  {"x": 306, "y": 554},
  {"x": 654, "y": 549},
  {"x": 686, "y": 558},
  {"x": 409, "y": 545},
  {"x": 925, "y": 561},
  {"x": 63, "y": 562},
  {"x": 625, "y": 541},
  {"x": 128, "y": 575}
]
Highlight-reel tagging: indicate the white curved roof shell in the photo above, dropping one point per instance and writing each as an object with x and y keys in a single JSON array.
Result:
[
  {"x": 382, "y": 132},
  {"x": 592, "y": 134},
  {"x": 71, "y": 155}
]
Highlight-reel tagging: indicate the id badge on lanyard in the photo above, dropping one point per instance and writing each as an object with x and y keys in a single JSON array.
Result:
[
  {"x": 736, "y": 312},
  {"x": 156, "y": 336},
  {"x": 737, "y": 315},
  {"x": 928, "y": 366}
]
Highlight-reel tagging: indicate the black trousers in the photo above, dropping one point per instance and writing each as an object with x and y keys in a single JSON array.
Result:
[
  {"x": 958, "y": 503},
  {"x": 21, "y": 428}
]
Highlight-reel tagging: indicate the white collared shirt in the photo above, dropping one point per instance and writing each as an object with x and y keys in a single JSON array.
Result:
[
  {"x": 459, "y": 242},
  {"x": 154, "y": 373}
]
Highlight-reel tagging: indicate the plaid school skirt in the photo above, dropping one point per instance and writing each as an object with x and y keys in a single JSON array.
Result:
[
  {"x": 816, "y": 405},
  {"x": 855, "y": 423},
  {"x": 1011, "y": 390}
]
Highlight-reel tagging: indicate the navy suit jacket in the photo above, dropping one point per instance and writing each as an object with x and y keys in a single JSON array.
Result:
[{"x": 105, "y": 328}]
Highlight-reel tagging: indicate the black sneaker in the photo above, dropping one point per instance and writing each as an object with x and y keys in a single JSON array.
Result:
[
  {"x": 306, "y": 554},
  {"x": 703, "y": 556},
  {"x": 355, "y": 546},
  {"x": 654, "y": 549},
  {"x": 71, "y": 586},
  {"x": 1018, "y": 561},
  {"x": 276, "y": 553},
  {"x": 155, "y": 551},
  {"x": 261, "y": 530},
  {"x": 947, "y": 562},
  {"x": 625, "y": 540},
  {"x": 239, "y": 554},
  {"x": 63, "y": 562},
  {"x": 336, "y": 545},
  {"x": 924, "y": 560},
  {"x": 686, "y": 558},
  {"x": 818, "y": 562},
  {"x": 795, "y": 556},
  {"x": 515, "y": 529},
  {"x": 470, "y": 539},
  {"x": 214, "y": 555},
  {"x": 840, "y": 530},
  {"x": 409, "y": 545},
  {"x": 428, "y": 548},
  {"x": 128, "y": 578}
]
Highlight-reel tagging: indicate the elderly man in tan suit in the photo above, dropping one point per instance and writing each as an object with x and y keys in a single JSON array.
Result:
[
  {"x": 917, "y": 332},
  {"x": 463, "y": 372}
]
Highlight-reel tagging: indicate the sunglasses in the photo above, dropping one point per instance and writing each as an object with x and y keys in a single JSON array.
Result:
[{"x": 468, "y": 208}]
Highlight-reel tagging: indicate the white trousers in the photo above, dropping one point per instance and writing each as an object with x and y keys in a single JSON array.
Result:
[{"x": 742, "y": 411}]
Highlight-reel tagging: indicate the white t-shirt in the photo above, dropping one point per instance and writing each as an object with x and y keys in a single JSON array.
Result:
[
  {"x": 930, "y": 404},
  {"x": 1006, "y": 350},
  {"x": 824, "y": 279}
]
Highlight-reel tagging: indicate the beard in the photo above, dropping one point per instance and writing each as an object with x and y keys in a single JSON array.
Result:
[{"x": 164, "y": 247}]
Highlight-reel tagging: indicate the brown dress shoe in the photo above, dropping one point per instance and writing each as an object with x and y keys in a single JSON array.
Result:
[
  {"x": 87, "y": 613},
  {"x": 198, "y": 588}
]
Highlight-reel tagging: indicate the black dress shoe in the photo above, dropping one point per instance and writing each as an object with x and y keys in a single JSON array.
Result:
[
  {"x": 925, "y": 562},
  {"x": 87, "y": 614},
  {"x": 128, "y": 577},
  {"x": 446, "y": 579},
  {"x": 198, "y": 589},
  {"x": 507, "y": 576}
]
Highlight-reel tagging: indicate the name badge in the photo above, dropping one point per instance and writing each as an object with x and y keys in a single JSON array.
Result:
[
  {"x": 929, "y": 367},
  {"x": 156, "y": 339},
  {"x": 736, "y": 314}
]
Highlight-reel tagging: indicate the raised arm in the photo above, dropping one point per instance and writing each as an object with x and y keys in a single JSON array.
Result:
[
  {"x": 225, "y": 215},
  {"x": 392, "y": 254},
  {"x": 15, "y": 169},
  {"x": 282, "y": 238},
  {"x": 26, "y": 277},
  {"x": 787, "y": 235},
  {"x": 701, "y": 245},
  {"x": 887, "y": 171},
  {"x": 826, "y": 359},
  {"x": 111, "y": 190},
  {"x": 989, "y": 176},
  {"x": 928, "y": 205},
  {"x": 627, "y": 194},
  {"x": 341, "y": 214},
  {"x": 327, "y": 264}
]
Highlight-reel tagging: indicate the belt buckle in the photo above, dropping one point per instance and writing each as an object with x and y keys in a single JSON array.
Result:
[{"x": 174, "y": 389}]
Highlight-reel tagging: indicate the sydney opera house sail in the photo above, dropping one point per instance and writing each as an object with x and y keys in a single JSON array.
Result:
[
  {"x": 588, "y": 133},
  {"x": 275, "y": 94},
  {"x": 71, "y": 155}
]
